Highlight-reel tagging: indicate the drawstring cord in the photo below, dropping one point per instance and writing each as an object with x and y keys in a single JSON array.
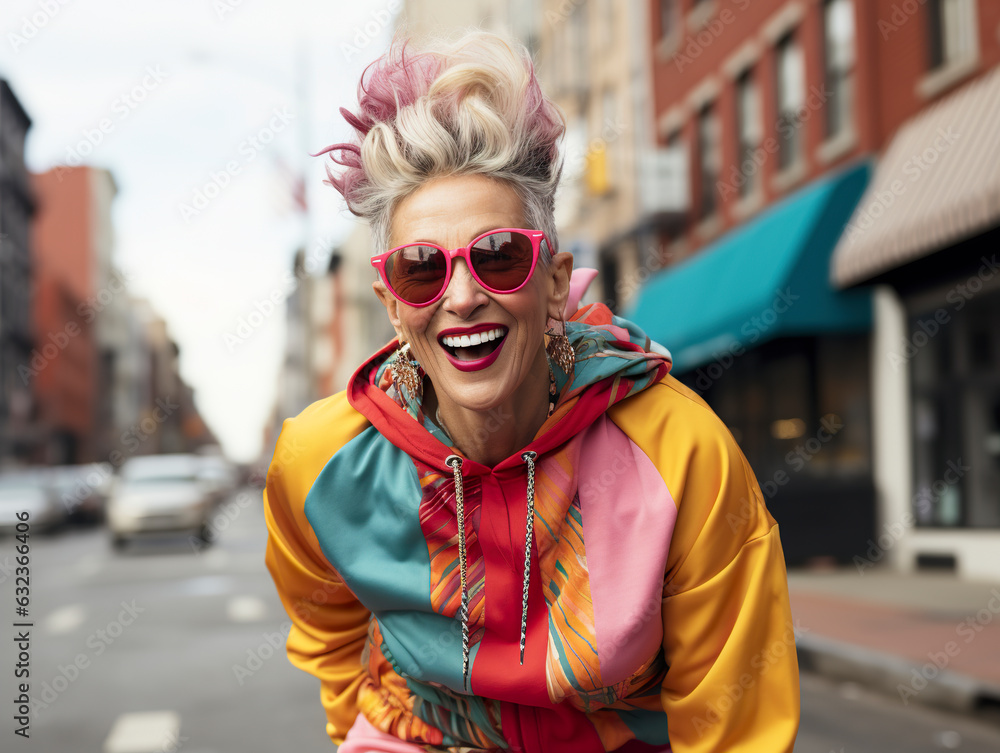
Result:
[
  {"x": 529, "y": 458},
  {"x": 455, "y": 463},
  {"x": 456, "y": 467}
]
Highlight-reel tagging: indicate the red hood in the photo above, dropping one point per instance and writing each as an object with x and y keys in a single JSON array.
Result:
[{"x": 626, "y": 363}]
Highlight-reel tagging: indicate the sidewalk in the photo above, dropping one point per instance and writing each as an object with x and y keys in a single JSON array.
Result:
[{"x": 926, "y": 637}]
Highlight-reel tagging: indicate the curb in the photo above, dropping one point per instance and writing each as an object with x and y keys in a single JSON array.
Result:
[{"x": 886, "y": 672}]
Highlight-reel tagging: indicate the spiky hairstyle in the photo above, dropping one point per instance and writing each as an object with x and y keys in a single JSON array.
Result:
[{"x": 468, "y": 106}]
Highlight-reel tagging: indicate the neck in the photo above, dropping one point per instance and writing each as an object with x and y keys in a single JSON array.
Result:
[{"x": 489, "y": 436}]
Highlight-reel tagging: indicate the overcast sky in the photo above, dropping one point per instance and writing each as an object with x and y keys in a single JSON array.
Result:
[{"x": 188, "y": 92}]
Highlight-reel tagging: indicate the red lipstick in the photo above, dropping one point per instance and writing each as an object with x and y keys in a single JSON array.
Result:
[
  {"x": 459, "y": 331},
  {"x": 479, "y": 363}
]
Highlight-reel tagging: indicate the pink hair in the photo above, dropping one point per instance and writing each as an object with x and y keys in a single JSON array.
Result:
[
  {"x": 388, "y": 84},
  {"x": 472, "y": 106}
]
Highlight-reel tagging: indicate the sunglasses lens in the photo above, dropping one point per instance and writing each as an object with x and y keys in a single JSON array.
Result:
[
  {"x": 503, "y": 260},
  {"x": 416, "y": 273}
]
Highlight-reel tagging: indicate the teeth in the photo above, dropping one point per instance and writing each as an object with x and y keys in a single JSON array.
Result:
[{"x": 466, "y": 341}]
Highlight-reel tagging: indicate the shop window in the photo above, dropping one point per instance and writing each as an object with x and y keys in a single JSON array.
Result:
[
  {"x": 843, "y": 403},
  {"x": 955, "y": 373},
  {"x": 798, "y": 407},
  {"x": 839, "y": 52}
]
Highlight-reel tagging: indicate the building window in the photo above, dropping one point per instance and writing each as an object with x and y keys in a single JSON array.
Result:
[
  {"x": 748, "y": 131},
  {"x": 580, "y": 56},
  {"x": 668, "y": 18},
  {"x": 708, "y": 159},
  {"x": 839, "y": 53},
  {"x": 797, "y": 405},
  {"x": 955, "y": 377},
  {"x": 790, "y": 99},
  {"x": 951, "y": 25}
]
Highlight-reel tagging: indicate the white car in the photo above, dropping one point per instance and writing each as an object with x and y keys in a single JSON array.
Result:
[
  {"x": 160, "y": 493},
  {"x": 28, "y": 492},
  {"x": 82, "y": 490},
  {"x": 219, "y": 474}
]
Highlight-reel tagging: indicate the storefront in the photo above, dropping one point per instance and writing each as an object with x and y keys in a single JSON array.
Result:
[
  {"x": 926, "y": 239},
  {"x": 755, "y": 326}
]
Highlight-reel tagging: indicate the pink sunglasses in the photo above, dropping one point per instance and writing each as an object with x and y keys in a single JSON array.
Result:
[{"x": 500, "y": 260}]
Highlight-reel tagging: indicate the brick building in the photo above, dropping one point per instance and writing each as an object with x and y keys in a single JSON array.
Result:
[
  {"x": 924, "y": 239},
  {"x": 788, "y": 111},
  {"x": 64, "y": 365}
]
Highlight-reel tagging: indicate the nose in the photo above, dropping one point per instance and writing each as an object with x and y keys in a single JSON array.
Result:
[{"x": 464, "y": 296}]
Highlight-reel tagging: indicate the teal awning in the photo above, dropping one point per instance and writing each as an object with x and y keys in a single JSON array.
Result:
[{"x": 765, "y": 279}]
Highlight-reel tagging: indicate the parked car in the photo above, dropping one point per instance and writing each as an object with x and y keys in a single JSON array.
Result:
[
  {"x": 82, "y": 490},
  {"x": 219, "y": 474},
  {"x": 160, "y": 493},
  {"x": 28, "y": 491}
]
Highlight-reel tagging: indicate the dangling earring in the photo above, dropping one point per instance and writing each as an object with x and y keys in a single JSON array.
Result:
[
  {"x": 560, "y": 350},
  {"x": 553, "y": 392},
  {"x": 405, "y": 374}
]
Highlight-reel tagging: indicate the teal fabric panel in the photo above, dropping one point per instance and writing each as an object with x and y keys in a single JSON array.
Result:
[
  {"x": 764, "y": 279},
  {"x": 647, "y": 726},
  {"x": 426, "y": 646},
  {"x": 363, "y": 507}
]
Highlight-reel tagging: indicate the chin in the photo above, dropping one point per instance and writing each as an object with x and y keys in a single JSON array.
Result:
[{"x": 480, "y": 397}]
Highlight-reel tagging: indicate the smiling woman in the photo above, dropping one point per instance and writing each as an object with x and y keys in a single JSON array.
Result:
[
  {"x": 515, "y": 530},
  {"x": 467, "y": 378}
]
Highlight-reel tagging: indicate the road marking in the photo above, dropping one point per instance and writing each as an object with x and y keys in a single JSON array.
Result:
[
  {"x": 65, "y": 620},
  {"x": 206, "y": 585},
  {"x": 144, "y": 732},
  {"x": 246, "y": 609}
]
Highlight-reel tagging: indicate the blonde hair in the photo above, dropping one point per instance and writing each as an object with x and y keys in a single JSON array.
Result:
[{"x": 468, "y": 106}]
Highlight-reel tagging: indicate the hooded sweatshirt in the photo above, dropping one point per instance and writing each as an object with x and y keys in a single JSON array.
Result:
[{"x": 618, "y": 584}]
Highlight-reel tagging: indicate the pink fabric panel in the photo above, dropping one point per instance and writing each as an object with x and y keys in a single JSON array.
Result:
[
  {"x": 362, "y": 737},
  {"x": 628, "y": 519}
]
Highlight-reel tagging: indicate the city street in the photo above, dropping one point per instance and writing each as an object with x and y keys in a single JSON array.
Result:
[
  {"x": 161, "y": 629},
  {"x": 201, "y": 615}
]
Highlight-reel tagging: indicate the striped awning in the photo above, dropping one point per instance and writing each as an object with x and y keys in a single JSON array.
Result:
[{"x": 936, "y": 184}]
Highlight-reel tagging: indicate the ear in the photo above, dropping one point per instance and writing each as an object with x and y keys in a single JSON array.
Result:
[
  {"x": 560, "y": 270},
  {"x": 391, "y": 305}
]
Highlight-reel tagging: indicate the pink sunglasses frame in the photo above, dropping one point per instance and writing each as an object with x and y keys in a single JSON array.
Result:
[{"x": 536, "y": 237}]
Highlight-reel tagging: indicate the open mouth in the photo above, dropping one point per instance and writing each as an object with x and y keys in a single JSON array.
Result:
[{"x": 475, "y": 346}]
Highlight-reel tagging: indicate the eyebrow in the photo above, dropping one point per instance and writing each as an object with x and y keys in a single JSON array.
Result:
[{"x": 485, "y": 230}]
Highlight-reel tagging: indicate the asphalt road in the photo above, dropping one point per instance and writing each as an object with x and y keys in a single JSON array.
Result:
[{"x": 162, "y": 648}]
